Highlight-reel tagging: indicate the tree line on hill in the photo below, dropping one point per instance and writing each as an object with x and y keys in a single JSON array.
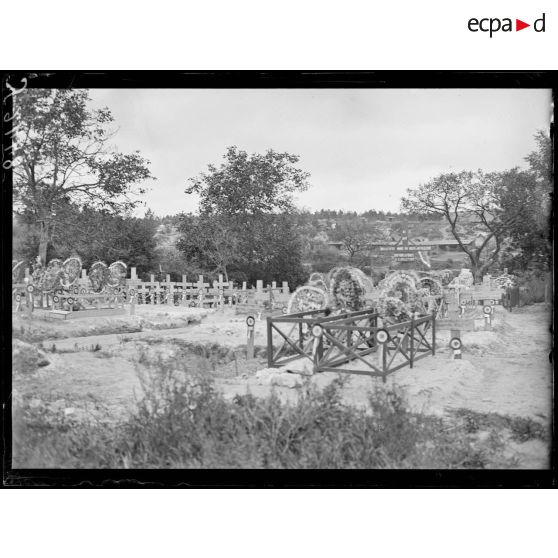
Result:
[{"x": 75, "y": 195}]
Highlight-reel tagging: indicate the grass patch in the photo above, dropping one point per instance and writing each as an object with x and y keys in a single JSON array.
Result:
[
  {"x": 41, "y": 332},
  {"x": 522, "y": 429},
  {"x": 183, "y": 422}
]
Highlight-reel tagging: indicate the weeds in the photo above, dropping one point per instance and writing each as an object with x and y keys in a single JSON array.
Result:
[
  {"x": 522, "y": 429},
  {"x": 182, "y": 421}
]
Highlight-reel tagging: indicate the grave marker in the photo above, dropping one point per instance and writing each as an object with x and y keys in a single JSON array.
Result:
[
  {"x": 455, "y": 344},
  {"x": 200, "y": 285},
  {"x": 250, "y": 322},
  {"x": 220, "y": 285}
]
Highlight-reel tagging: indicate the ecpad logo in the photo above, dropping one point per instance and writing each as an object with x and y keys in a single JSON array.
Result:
[{"x": 493, "y": 25}]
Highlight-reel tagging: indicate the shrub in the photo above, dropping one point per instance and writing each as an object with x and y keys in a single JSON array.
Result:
[
  {"x": 183, "y": 421},
  {"x": 532, "y": 288}
]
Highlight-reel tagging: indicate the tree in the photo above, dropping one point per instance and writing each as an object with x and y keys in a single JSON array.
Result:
[
  {"x": 94, "y": 235},
  {"x": 271, "y": 249},
  {"x": 531, "y": 190},
  {"x": 246, "y": 224},
  {"x": 208, "y": 240},
  {"x": 470, "y": 203},
  {"x": 249, "y": 184},
  {"x": 61, "y": 156},
  {"x": 357, "y": 237}
]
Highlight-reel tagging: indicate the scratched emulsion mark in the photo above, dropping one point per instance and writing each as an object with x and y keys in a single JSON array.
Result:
[{"x": 7, "y": 151}]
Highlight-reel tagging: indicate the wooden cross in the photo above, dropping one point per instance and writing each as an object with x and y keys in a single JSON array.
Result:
[
  {"x": 220, "y": 285},
  {"x": 184, "y": 284},
  {"x": 200, "y": 285}
]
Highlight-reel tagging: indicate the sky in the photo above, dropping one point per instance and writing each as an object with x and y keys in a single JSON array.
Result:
[{"x": 362, "y": 147}]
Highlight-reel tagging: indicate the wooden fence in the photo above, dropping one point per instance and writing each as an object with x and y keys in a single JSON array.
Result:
[
  {"x": 200, "y": 293},
  {"x": 332, "y": 342}
]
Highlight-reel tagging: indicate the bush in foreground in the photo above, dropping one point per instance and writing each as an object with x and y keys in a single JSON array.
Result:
[{"x": 183, "y": 422}]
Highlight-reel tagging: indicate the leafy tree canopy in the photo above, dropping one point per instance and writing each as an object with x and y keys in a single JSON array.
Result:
[
  {"x": 249, "y": 184},
  {"x": 247, "y": 224},
  {"x": 62, "y": 156}
]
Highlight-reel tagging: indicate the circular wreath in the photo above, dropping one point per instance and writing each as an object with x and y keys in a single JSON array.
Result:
[
  {"x": 99, "y": 275},
  {"x": 394, "y": 310},
  {"x": 71, "y": 270},
  {"x": 401, "y": 285},
  {"x": 433, "y": 286},
  {"x": 117, "y": 274},
  {"x": 50, "y": 279},
  {"x": 320, "y": 285},
  {"x": 348, "y": 289},
  {"x": 316, "y": 277},
  {"x": 307, "y": 298},
  {"x": 331, "y": 273}
]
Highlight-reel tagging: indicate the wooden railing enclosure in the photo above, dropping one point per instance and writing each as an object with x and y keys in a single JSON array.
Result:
[{"x": 332, "y": 342}]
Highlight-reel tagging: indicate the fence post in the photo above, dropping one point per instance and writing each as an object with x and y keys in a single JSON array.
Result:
[
  {"x": 381, "y": 349},
  {"x": 30, "y": 303},
  {"x": 269, "y": 343},
  {"x": 170, "y": 291},
  {"x": 433, "y": 333},
  {"x": 317, "y": 352},
  {"x": 412, "y": 348},
  {"x": 152, "y": 299},
  {"x": 250, "y": 344}
]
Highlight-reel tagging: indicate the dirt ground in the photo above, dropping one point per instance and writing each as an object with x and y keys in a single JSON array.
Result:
[{"x": 505, "y": 371}]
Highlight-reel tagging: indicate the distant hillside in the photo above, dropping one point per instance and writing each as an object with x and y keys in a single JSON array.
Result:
[{"x": 167, "y": 236}]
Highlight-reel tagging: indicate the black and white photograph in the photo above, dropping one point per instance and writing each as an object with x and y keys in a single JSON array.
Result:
[{"x": 278, "y": 277}]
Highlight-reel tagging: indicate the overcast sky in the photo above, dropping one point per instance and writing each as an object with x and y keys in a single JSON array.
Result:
[{"x": 362, "y": 147}]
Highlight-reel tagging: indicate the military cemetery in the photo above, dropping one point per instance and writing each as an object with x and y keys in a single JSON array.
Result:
[{"x": 246, "y": 308}]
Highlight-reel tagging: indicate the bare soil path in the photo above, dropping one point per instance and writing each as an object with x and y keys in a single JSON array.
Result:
[{"x": 505, "y": 371}]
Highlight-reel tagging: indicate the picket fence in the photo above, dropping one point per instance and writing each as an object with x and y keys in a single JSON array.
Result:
[{"x": 200, "y": 293}]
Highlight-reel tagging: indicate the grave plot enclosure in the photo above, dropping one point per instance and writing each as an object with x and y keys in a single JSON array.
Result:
[{"x": 352, "y": 342}]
